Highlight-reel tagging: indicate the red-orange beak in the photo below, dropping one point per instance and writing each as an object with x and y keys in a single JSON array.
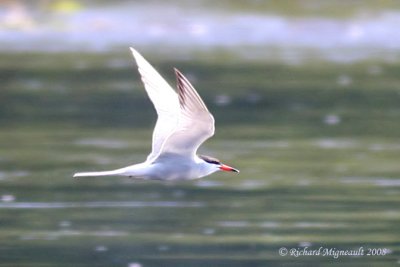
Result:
[{"x": 227, "y": 168}]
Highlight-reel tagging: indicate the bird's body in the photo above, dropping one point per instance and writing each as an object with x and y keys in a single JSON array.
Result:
[
  {"x": 166, "y": 167},
  {"x": 183, "y": 124}
]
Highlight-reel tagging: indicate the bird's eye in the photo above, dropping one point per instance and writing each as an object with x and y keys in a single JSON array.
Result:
[{"x": 210, "y": 160}]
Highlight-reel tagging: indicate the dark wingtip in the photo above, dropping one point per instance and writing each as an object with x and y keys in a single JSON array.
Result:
[{"x": 177, "y": 72}]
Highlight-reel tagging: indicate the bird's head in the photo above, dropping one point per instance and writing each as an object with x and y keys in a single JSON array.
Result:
[{"x": 218, "y": 165}]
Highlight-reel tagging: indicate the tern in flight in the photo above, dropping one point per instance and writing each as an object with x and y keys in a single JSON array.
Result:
[{"x": 183, "y": 124}]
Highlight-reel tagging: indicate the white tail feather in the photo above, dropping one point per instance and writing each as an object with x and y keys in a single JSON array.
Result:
[
  {"x": 137, "y": 170},
  {"x": 104, "y": 173}
]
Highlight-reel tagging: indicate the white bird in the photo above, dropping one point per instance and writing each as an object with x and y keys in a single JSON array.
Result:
[{"x": 183, "y": 124}]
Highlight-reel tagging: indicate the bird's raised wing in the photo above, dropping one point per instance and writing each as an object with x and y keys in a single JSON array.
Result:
[
  {"x": 165, "y": 101},
  {"x": 195, "y": 125}
]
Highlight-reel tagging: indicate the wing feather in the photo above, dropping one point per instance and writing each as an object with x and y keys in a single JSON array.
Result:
[
  {"x": 165, "y": 101},
  {"x": 184, "y": 121},
  {"x": 195, "y": 125}
]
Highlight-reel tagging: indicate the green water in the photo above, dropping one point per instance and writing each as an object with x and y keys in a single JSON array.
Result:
[{"x": 317, "y": 145}]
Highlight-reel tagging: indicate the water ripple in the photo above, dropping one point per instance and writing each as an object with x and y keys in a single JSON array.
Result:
[
  {"x": 100, "y": 204},
  {"x": 53, "y": 235},
  {"x": 103, "y": 143},
  {"x": 378, "y": 181}
]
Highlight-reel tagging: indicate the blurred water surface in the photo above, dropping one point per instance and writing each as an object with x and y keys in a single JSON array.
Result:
[
  {"x": 317, "y": 147},
  {"x": 292, "y": 31},
  {"x": 306, "y": 106}
]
